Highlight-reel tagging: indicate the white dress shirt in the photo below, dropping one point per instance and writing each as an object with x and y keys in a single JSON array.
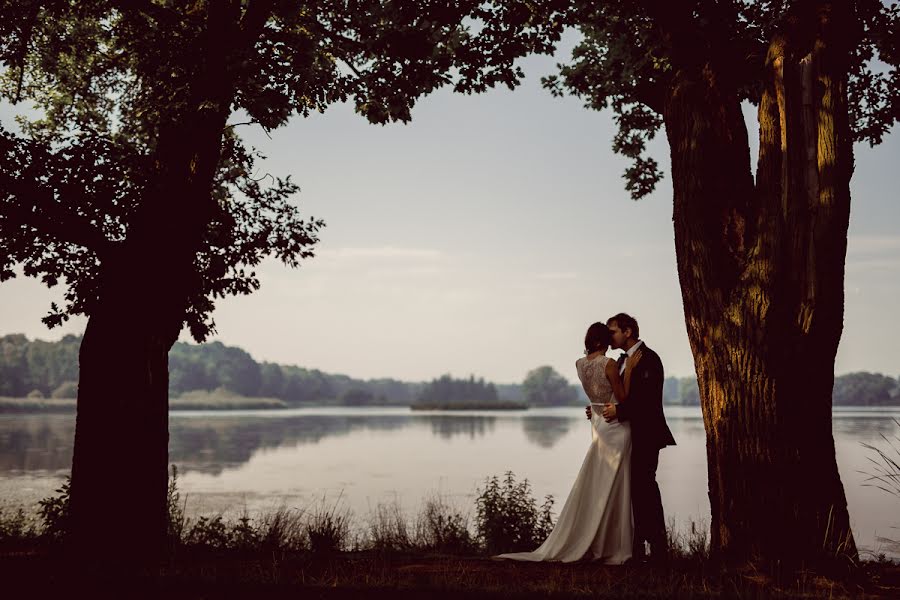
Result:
[{"x": 629, "y": 353}]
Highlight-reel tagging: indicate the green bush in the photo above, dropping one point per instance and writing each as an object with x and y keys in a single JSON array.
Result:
[{"x": 508, "y": 519}]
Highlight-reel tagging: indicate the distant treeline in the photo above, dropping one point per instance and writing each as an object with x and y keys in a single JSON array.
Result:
[{"x": 42, "y": 369}]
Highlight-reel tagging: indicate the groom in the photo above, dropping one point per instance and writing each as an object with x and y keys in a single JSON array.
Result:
[{"x": 649, "y": 434}]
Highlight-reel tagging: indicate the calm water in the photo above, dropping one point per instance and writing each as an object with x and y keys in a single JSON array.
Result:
[{"x": 262, "y": 459}]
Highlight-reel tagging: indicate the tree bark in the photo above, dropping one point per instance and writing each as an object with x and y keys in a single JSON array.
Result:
[{"x": 761, "y": 271}]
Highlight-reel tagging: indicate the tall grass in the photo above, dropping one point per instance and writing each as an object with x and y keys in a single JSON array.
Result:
[
  {"x": 886, "y": 465},
  {"x": 438, "y": 526}
]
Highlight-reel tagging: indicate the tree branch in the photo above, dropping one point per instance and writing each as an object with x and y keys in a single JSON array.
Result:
[
  {"x": 52, "y": 219},
  {"x": 160, "y": 14},
  {"x": 652, "y": 95},
  {"x": 254, "y": 19}
]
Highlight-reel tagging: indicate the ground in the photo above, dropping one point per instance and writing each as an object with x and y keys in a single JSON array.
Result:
[{"x": 378, "y": 575}]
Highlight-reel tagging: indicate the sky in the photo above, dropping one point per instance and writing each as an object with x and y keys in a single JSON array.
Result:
[{"x": 484, "y": 237}]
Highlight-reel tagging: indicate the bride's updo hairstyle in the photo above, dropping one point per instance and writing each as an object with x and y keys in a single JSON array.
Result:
[{"x": 596, "y": 338}]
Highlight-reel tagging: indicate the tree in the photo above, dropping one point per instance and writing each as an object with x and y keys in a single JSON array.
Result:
[
  {"x": 864, "y": 389},
  {"x": 543, "y": 386},
  {"x": 133, "y": 187},
  {"x": 689, "y": 392},
  {"x": 760, "y": 259},
  {"x": 446, "y": 390}
]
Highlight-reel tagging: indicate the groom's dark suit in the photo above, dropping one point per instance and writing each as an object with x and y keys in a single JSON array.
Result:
[{"x": 649, "y": 434}]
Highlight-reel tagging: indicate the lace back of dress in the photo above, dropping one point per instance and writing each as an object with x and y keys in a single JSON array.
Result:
[{"x": 592, "y": 374}]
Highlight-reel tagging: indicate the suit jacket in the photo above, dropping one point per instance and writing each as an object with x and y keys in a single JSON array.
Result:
[{"x": 644, "y": 406}]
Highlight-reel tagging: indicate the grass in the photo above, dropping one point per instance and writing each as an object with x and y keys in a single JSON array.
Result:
[{"x": 438, "y": 549}]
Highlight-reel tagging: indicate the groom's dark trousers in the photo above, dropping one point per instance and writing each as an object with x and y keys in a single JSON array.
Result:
[
  {"x": 649, "y": 434},
  {"x": 646, "y": 502}
]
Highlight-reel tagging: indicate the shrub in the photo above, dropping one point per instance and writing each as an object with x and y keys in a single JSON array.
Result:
[
  {"x": 210, "y": 532},
  {"x": 17, "y": 527},
  {"x": 508, "y": 519},
  {"x": 56, "y": 514},
  {"x": 175, "y": 521}
]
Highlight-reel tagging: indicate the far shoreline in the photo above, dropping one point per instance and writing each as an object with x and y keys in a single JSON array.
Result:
[{"x": 213, "y": 403}]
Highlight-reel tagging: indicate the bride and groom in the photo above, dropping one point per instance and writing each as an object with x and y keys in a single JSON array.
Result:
[{"x": 615, "y": 506}]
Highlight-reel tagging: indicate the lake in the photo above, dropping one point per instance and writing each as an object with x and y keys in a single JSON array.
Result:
[{"x": 259, "y": 460}]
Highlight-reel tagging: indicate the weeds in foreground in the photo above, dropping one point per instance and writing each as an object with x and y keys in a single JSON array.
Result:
[
  {"x": 17, "y": 527},
  {"x": 508, "y": 519},
  {"x": 442, "y": 528},
  {"x": 437, "y": 527},
  {"x": 328, "y": 528},
  {"x": 690, "y": 543},
  {"x": 886, "y": 464},
  {"x": 55, "y": 514}
]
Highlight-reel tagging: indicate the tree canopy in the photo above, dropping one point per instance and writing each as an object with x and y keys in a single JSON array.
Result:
[
  {"x": 114, "y": 83},
  {"x": 631, "y": 51},
  {"x": 544, "y": 386}
]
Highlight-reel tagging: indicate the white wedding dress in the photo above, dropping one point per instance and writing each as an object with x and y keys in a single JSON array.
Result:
[{"x": 595, "y": 522}]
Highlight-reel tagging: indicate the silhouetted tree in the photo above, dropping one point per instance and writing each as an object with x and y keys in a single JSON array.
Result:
[
  {"x": 864, "y": 389},
  {"x": 543, "y": 386},
  {"x": 760, "y": 261},
  {"x": 133, "y": 188},
  {"x": 447, "y": 390}
]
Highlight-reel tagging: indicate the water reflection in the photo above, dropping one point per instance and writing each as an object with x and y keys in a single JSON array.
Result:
[
  {"x": 546, "y": 431},
  {"x": 36, "y": 443},
  {"x": 448, "y": 426},
  {"x": 210, "y": 443}
]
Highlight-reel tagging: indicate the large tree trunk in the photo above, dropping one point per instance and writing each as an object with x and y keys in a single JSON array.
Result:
[
  {"x": 761, "y": 271},
  {"x": 119, "y": 467}
]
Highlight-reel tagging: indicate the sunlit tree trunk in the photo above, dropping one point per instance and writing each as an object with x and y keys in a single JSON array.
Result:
[{"x": 761, "y": 272}]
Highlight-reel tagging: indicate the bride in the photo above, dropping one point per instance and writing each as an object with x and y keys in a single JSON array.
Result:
[{"x": 595, "y": 522}]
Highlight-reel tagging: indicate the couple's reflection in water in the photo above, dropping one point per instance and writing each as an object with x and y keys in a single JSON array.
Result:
[{"x": 211, "y": 443}]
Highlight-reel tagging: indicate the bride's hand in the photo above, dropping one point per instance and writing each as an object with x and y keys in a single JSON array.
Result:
[{"x": 633, "y": 361}]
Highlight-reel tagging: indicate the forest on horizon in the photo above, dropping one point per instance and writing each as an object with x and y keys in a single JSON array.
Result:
[{"x": 43, "y": 369}]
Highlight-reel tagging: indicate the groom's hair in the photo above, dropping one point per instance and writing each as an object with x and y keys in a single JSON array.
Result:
[
  {"x": 597, "y": 337},
  {"x": 626, "y": 321}
]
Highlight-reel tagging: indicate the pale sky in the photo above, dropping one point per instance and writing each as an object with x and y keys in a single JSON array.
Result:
[{"x": 484, "y": 237}]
